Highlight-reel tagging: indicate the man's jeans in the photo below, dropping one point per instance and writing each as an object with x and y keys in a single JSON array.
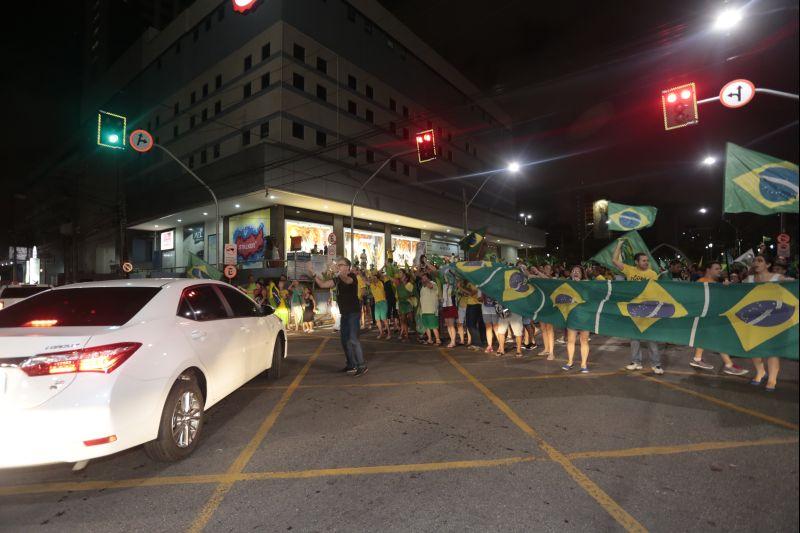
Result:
[
  {"x": 636, "y": 352},
  {"x": 349, "y": 333}
]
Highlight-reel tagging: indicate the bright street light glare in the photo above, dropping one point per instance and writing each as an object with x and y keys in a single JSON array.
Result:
[
  {"x": 709, "y": 160},
  {"x": 113, "y": 138},
  {"x": 702, "y": 210},
  {"x": 513, "y": 167},
  {"x": 522, "y": 214},
  {"x": 727, "y": 19}
]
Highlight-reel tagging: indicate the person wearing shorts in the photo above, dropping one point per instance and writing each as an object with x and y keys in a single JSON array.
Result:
[
  {"x": 515, "y": 323},
  {"x": 429, "y": 297},
  {"x": 490, "y": 320},
  {"x": 449, "y": 309},
  {"x": 529, "y": 341},
  {"x": 381, "y": 307}
]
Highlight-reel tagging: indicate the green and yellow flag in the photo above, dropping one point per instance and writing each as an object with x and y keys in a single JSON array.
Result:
[
  {"x": 758, "y": 183},
  {"x": 472, "y": 243},
  {"x": 632, "y": 243},
  {"x": 623, "y": 217},
  {"x": 199, "y": 269}
]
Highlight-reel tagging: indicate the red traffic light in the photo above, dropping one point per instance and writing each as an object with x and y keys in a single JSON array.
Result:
[
  {"x": 679, "y": 105},
  {"x": 243, "y": 6},
  {"x": 426, "y": 146}
]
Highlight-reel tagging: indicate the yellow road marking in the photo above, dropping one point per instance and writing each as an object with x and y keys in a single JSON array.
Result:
[
  {"x": 245, "y": 455},
  {"x": 723, "y": 403},
  {"x": 606, "y": 502},
  {"x": 679, "y": 448},
  {"x": 706, "y": 375}
]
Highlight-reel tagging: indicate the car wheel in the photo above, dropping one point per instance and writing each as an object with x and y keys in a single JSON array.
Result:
[
  {"x": 274, "y": 371},
  {"x": 181, "y": 422}
]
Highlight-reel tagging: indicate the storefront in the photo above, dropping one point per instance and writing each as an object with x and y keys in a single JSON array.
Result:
[
  {"x": 368, "y": 244},
  {"x": 302, "y": 236},
  {"x": 250, "y": 233}
]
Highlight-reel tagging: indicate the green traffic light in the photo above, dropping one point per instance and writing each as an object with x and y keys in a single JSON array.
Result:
[{"x": 113, "y": 138}]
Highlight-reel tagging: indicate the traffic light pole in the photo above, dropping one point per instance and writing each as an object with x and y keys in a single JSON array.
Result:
[
  {"x": 467, "y": 204},
  {"x": 773, "y": 92},
  {"x": 217, "y": 221},
  {"x": 353, "y": 203}
]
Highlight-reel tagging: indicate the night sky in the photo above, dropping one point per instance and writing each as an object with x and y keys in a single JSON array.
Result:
[{"x": 581, "y": 80}]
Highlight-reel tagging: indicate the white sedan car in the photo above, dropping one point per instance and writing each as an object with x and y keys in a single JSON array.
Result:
[{"x": 91, "y": 369}]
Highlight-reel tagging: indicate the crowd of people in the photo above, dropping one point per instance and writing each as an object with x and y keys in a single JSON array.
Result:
[{"x": 434, "y": 307}]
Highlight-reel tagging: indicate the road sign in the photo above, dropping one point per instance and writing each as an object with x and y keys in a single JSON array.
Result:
[
  {"x": 784, "y": 238},
  {"x": 331, "y": 238},
  {"x": 230, "y": 271},
  {"x": 229, "y": 257},
  {"x": 141, "y": 140},
  {"x": 737, "y": 93},
  {"x": 127, "y": 267}
]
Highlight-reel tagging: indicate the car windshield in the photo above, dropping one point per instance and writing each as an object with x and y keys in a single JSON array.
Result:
[
  {"x": 90, "y": 306},
  {"x": 21, "y": 292}
]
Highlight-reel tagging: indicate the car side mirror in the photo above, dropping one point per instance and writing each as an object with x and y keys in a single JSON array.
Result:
[{"x": 267, "y": 310}]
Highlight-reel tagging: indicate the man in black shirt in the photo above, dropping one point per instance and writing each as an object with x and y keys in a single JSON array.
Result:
[{"x": 350, "y": 309}]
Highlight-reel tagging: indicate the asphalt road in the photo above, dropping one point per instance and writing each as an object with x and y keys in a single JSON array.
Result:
[{"x": 451, "y": 440}]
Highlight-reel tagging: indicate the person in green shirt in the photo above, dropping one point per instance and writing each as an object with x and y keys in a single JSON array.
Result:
[
  {"x": 405, "y": 296},
  {"x": 296, "y": 291}
]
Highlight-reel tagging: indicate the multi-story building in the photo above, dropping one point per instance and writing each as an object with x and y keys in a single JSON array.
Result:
[{"x": 285, "y": 112}]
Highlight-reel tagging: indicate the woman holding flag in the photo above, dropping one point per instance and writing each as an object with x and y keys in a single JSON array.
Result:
[
  {"x": 548, "y": 332},
  {"x": 577, "y": 274}
]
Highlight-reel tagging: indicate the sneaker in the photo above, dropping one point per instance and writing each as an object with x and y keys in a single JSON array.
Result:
[
  {"x": 566, "y": 367},
  {"x": 473, "y": 347},
  {"x": 658, "y": 370},
  {"x": 561, "y": 341},
  {"x": 528, "y": 346},
  {"x": 701, "y": 364},
  {"x": 349, "y": 370},
  {"x": 584, "y": 370},
  {"x": 634, "y": 366},
  {"x": 735, "y": 370},
  {"x": 361, "y": 371}
]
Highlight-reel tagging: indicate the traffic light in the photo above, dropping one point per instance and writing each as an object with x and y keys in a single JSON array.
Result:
[
  {"x": 680, "y": 106},
  {"x": 426, "y": 146},
  {"x": 111, "y": 130}
]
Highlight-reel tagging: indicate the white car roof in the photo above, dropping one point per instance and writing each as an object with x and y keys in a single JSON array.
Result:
[{"x": 145, "y": 282}]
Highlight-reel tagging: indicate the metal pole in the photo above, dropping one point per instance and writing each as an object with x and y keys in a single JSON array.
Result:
[
  {"x": 773, "y": 92},
  {"x": 217, "y": 221},
  {"x": 353, "y": 203},
  {"x": 467, "y": 204}
]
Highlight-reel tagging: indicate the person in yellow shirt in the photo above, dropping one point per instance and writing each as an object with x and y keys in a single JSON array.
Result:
[
  {"x": 381, "y": 307},
  {"x": 640, "y": 271}
]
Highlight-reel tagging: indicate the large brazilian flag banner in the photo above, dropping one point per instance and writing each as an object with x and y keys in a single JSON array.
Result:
[{"x": 745, "y": 320}]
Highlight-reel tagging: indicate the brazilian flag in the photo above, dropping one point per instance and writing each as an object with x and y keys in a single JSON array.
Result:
[
  {"x": 623, "y": 217},
  {"x": 758, "y": 183},
  {"x": 199, "y": 269},
  {"x": 472, "y": 243},
  {"x": 632, "y": 243}
]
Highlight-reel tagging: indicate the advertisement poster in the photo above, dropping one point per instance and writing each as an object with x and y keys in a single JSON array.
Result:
[
  {"x": 405, "y": 250},
  {"x": 249, "y": 232},
  {"x": 370, "y": 243},
  {"x": 309, "y": 234},
  {"x": 168, "y": 240},
  {"x": 193, "y": 240}
]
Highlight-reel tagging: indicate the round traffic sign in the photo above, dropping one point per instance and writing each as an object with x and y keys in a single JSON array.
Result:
[
  {"x": 784, "y": 238},
  {"x": 331, "y": 238},
  {"x": 127, "y": 267},
  {"x": 230, "y": 271},
  {"x": 141, "y": 140},
  {"x": 737, "y": 93}
]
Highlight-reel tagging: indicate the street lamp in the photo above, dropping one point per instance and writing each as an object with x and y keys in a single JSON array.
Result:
[
  {"x": 702, "y": 210},
  {"x": 727, "y": 19},
  {"x": 513, "y": 167},
  {"x": 709, "y": 160}
]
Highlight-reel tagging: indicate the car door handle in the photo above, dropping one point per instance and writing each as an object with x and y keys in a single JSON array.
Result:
[{"x": 199, "y": 335}]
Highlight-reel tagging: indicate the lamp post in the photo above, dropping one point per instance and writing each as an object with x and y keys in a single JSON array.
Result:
[
  {"x": 361, "y": 188},
  {"x": 512, "y": 167}
]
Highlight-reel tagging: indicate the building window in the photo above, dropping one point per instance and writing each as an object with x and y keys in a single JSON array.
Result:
[
  {"x": 216, "y": 151},
  {"x": 405, "y": 133},
  {"x": 264, "y": 81},
  {"x": 352, "y": 82},
  {"x": 248, "y": 63},
  {"x": 208, "y": 23},
  {"x": 322, "y": 139},
  {"x": 369, "y": 115},
  {"x": 299, "y": 53},
  {"x": 192, "y": 98},
  {"x": 245, "y": 137},
  {"x": 175, "y": 131},
  {"x": 369, "y": 91},
  {"x": 322, "y": 93},
  {"x": 298, "y": 131},
  {"x": 405, "y": 111},
  {"x": 203, "y": 157},
  {"x": 351, "y": 13},
  {"x": 392, "y": 104},
  {"x": 191, "y": 161},
  {"x": 298, "y": 81},
  {"x": 405, "y": 170},
  {"x": 265, "y": 52},
  {"x": 218, "y": 81},
  {"x": 176, "y": 108},
  {"x": 204, "y": 115},
  {"x": 352, "y": 108},
  {"x": 393, "y": 128},
  {"x": 192, "y": 121},
  {"x": 247, "y": 90},
  {"x": 264, "y": 131},
  {"x": 370, "y": 156},
  {"x": 393, "y": 165},
  {"x": 217, "y": 107},
  {"x": 322, "y": 65},
  {"x": 351, "y": 150},
  {"x": 368, "y": 27},
  {"x": 205, "y": 89}
]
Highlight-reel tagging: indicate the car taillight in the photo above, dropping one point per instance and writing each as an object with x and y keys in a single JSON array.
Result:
[{"x": 96, "y": 359}]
